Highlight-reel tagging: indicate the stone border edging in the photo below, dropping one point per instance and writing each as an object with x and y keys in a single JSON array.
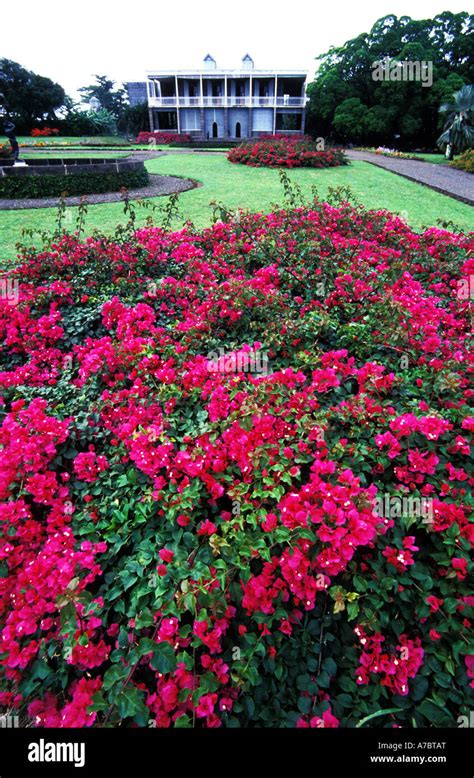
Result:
[{"x": 159, "y": 186}]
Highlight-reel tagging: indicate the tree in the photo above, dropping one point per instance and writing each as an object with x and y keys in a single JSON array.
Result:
[
  {"x": 350, "y": 120},
  {"x": 134, "y": 119},
  {"x": 458, "y": 132},
  {"x": 113, "y": 100},
  {"x": 405, "y": 112},
  {"x": 28, "y": 97}
]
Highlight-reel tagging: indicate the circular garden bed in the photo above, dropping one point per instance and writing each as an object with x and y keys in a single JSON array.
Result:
[{"x": 41, "y": 177}]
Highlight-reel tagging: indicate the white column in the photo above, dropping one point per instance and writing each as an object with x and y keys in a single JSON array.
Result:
[
  {"x": 275, "y": 104},
  {"x": 177, "y": 102}
]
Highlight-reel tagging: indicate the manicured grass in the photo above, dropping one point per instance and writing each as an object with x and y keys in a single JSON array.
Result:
[
  {"x": 61, "y": 140},
  {"x": 256, "y": 189},
  {"x": 437, "y": 159}
]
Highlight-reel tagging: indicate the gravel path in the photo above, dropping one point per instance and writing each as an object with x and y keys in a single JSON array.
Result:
[
  {"x": 159, "y": 185},
  {"x": 444, "y": 179}
]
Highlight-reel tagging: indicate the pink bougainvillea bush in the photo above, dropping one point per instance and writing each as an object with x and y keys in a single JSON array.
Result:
[
  {"x": 221, "y": 541},
  {"x": 162, "y": 137},
  {"x": 286, "y": 151}
]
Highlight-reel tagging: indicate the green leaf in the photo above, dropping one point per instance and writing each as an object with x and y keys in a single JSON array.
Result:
[
  {"x": 420, "y": 687},
  {"x": 323, "y": 680},
  {"x": 131, "y": 703},
  {"x": 114, "y": 675},
  {"x": 329, "y": 666},
  {"x": 436, "y": 715},
  {"x": 164, "y": 658},
  {"x": 304, "y": 704},
  {"x": 376, "y": 714},
  {"x": 183, "y": 722}
]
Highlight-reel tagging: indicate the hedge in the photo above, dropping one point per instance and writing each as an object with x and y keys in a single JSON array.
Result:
[{"x": 75, "y": 184}]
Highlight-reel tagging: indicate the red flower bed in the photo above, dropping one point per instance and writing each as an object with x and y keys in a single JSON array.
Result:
[
  {"x": 44, "y": 133},
  {"x": 288, "y": 151},
  {"x": 163, "y": 138},
  {"x": 232, "y": 541}
]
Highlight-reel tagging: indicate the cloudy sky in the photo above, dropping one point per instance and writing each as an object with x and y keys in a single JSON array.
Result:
[{"x": 124, "y": 39}]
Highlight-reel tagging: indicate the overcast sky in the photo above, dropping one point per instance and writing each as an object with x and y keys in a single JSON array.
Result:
[{"x": 69, "y": 42}]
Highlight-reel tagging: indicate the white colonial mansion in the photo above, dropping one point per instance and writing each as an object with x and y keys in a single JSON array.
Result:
[{"x": 212, "y": 103}]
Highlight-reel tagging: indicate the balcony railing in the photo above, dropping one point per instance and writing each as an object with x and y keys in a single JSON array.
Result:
[{"x": 229, "y": 101}]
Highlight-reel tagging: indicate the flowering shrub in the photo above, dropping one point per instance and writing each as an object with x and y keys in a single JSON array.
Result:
[
  {"x": 386, "y": 152},
  {"x": 465, "y": 161},
  {"x": 5, "y": 151},
  {"x": 44, "y": 133},
  {"x": 162, "y": 137},
  {"x": 194, "y": 547},
  {"x": 285, "y": 151}
]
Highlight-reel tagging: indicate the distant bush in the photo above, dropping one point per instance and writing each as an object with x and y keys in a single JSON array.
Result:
[
  {"x": 44, "y": 133},
  {"x": 285, "y": 151},
  {"x": 386, "y": 152},
  {"x": 465, "y": 161},
  {"x": 164, "y": 138},
  {"x": 215, "y": 145},
  {"x": 77, "y": 122},
  {"x": 5, "y": 151}
]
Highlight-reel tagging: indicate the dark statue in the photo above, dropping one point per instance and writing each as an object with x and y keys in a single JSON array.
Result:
[{"x": 9, "y": 130}]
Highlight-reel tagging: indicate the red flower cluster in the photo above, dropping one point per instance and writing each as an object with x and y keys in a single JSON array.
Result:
[
  {"x": 285, "y": 151},
  {"x": 88, "y": 465},
  {"x": 45, "y": 712},
  {"x": 45, "y": 132},
  {"x": 394, "y": 667},
  {"x": 162, "y": 137}
]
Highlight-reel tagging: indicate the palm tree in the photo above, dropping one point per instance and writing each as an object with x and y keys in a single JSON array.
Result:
[{"x": 458, "y": 131}]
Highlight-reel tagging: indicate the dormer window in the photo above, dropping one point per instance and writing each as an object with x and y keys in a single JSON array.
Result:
[{"x": 209, "y": 62}]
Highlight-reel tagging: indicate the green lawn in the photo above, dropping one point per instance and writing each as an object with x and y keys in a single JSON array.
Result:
[
  {"x": 437, "y": 159},
  {"x": 256, "y": 189},
  {"x": 75, "y": 140}
]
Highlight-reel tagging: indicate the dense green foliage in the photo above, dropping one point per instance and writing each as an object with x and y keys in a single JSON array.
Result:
[
  {"x": 465, "y": 161},
  {"x": 347, "y": 104},
  {"x": 27, "y": 97},
  {"x": 458, "y": 132}
]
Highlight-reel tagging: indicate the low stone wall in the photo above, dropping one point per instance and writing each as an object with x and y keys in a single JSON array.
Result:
[{"x": 63, "y": 167}]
